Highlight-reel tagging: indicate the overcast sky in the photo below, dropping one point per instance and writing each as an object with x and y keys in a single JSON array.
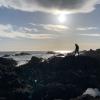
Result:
[{"x": 34, "y": 25}]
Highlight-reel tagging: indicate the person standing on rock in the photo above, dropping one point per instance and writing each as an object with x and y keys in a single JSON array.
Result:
[{"x": 76, "y": 49}]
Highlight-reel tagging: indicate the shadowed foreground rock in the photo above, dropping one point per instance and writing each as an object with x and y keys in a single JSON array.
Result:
[
  {"x": 86, "y": 97},
  {"x": 54, "y": 79}
]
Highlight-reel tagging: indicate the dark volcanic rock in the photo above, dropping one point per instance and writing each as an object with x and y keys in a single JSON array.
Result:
[
  {"x": 54, "y": 79},
  {"x": 7, "y": 61},
  {"x": 22, "y": 54},
  {"x": 62, "y": 78},
  {"x": 51, "y": 52},
  {"x": 93, "y": 53},
  {"x": 6, "y": 55},
  {"x": 86, "y": 97},
  {"x": 8, "y": 78},
  {"x": 35, "y": 60}
]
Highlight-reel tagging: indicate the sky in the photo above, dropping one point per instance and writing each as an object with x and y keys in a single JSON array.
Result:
[{"x": 49, "y": 25}]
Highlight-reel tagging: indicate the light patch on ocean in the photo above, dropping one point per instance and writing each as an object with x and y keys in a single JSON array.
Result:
[
  {"x": 62, "y": 51},
  {"x": 23, "y": 59}
]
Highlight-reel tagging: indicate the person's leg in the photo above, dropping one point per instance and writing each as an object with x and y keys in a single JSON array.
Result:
[
  {"x": 75, "y": 52},
  {"x": 78, "y": 52}
]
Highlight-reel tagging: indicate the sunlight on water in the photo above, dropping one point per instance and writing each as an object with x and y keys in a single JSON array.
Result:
[{"x": 63, "y": 51}]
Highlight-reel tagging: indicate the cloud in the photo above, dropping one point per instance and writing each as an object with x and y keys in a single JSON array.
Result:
[
  {"x": 52, "y": 27},
  {"x": 86, "y": 28},
  {"x": 53, "y": 6},
  {"x": 28, "y": 30},
  {"x": 9, "y": 31},
  {"x": 58, "y": 28},
  {"x": 91, "y": 35}
]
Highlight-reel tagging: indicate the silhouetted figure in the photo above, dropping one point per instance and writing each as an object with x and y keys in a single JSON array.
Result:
[{"x": 76, "y": 49}]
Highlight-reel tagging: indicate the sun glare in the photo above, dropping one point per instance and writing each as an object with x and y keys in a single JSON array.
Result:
[
  {"x": 62, "y": 51},
  {"x": 62, "y": 18}
]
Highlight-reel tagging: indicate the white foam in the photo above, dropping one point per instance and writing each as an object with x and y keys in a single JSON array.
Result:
[{"x": 92, "y": 92}]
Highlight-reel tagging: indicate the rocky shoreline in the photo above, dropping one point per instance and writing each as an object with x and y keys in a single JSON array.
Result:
[{"x": 57, "y": 78}]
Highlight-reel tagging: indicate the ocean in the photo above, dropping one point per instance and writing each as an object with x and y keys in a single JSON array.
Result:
[{"x": 22, "y": 57}]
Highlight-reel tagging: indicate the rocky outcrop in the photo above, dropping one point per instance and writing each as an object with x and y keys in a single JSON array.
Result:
[
  {"x": 22, "y": 54},
  {"x": 7, "y": 61},
  {"x": 57, "y": 78},
  {"x": 86, "y": 97},
  {"x": 62, "y": 78}
]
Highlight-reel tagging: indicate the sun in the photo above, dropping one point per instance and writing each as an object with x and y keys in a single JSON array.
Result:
[{"x": 62, "y": 18}]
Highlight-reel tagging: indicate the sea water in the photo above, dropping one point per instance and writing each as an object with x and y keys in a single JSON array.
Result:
[{"x": 23, "y": 59}]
